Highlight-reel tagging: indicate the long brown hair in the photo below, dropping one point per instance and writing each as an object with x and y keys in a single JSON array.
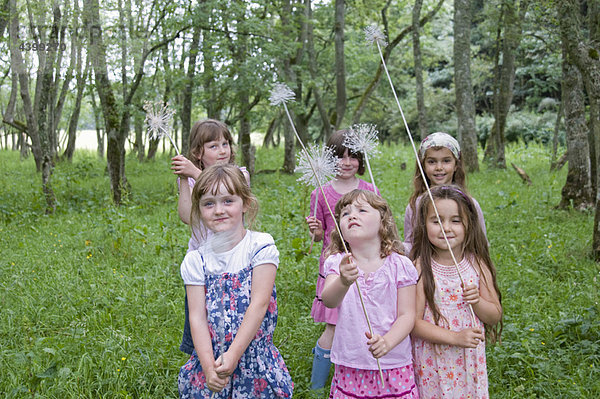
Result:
[
  {"x": 475, "y": 245},
  {"x": 204, "y": 131},
  {"x": 235, "y": 183},
  {"x": 388, "y": 232}
]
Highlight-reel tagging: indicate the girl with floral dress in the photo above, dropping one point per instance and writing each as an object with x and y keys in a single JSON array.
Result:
[
  {"x": 387, "y": 281},
  {"x": 210, "y": 143},
  {"x": 448, "y": 339},
  {"x": 230, "y": 284}
]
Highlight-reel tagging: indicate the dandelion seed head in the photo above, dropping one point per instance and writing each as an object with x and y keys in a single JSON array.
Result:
[
  {"x": 280, "y": 94},
  {"x": 374, "y": 35},
  {"x": 324, "y": 162},
  {"x": 158, "y": 119},
  {"x": 362, "y": 137}
]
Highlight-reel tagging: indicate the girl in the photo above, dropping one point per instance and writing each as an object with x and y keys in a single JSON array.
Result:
[
  {"x": 449, "y": 350},
  {"x": 440, "y": 159},
  {"x": 320, "y": 225},
  {"x": 232, "y": 301},
  {"x": 387, "y": 280},
  {"x": 210, "y": 143}
]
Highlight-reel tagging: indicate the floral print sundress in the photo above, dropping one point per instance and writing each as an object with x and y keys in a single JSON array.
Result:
[
  {"x": 261, "y": 371},
  {"x": 446, "y": 371}
]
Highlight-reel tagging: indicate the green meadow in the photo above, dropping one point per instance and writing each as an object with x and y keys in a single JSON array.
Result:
[{"x": 91, "y": 301}]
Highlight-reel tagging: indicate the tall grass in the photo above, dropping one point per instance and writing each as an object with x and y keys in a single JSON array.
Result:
[{"x": 91, "y": 302}]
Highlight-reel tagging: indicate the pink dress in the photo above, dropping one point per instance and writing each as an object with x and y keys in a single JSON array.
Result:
[
  {"x": 319, "y": 312},
  {"x": 445, "y": 371}
]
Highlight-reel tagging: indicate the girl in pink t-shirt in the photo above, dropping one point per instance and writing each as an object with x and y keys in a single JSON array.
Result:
[
  {"x": 387, "y": 281},
  {"x": 320, "y": 225}
]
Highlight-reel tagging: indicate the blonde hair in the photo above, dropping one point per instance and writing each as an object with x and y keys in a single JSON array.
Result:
[
  {"x": 475, "y": 244},
  {"x": 235, "y": 183},
  {"x": 204, "y": 131},
  {"x": 388, "y": 232}
]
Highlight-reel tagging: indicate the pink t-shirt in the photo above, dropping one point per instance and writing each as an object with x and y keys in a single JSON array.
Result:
[{"x": 380, "y": 294}]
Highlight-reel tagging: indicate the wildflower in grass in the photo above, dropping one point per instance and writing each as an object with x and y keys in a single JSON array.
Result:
[
  {"x": 89, "y": 255},
  {"x": 87, "y": 243},
  {"x": 123, "y": 358}
]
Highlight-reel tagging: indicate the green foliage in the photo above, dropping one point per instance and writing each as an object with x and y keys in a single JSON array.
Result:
[{"x": 92, "y": 300}]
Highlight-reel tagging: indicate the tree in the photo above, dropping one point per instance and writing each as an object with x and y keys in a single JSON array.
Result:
[
  {"x": 416, "y": 34},
  {"x": 585, "y": 54},
  {"x": 465, "y": 107},
  {"x": 505, "y": 79}
]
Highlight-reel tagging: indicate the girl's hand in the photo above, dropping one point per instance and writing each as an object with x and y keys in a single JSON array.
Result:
[
  {"x": 471, "y": 294},
  {"x": 469, "y": 337},
  {"x": 378, "y": 346},
  {"x": 315, "y": 226},
  {"x": 226, "y": 365},
  {"x": 348, "y": 270},
  {"x": 184, "y": 167},
  {"x": 213, "y": 381}
]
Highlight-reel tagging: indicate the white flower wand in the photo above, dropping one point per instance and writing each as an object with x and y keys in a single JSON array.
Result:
[
  {"x": 158, "y": 119},
  {"x": 363, "y": 138},
  {"x": 325, "y": 168},
  {"x": 374, "y": 35},
  {"x": 280, "y": 95}
]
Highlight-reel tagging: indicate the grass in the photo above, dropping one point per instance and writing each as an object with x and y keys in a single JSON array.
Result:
[{"x": 92, "y": 303}]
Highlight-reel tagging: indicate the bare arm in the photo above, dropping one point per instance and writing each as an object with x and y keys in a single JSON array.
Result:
[
  {"x": 201, "y": 336},
  {"x": 405, "y": 320},
  {"x": 336, "y": 287},
  {"x": 263, "y": 279},
  {"x": 423, "y": 329},
  {"x": 316, "y": 228},
  {"x": 484, "y": 299},
  {"x": 184, "y": 168}
]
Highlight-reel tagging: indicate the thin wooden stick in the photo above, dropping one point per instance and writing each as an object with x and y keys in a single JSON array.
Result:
[{"x": 437, "y": 215}]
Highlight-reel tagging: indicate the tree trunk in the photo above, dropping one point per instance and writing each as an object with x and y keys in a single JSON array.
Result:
[
  {"x": 312, "y": 67},
  {"x": 416, "y": 35},
  {"x": 584, "y": 54},
  {"x": 18, "y": 65},
  {"x": 72, "y": 130},
  {"x": 186, "y": 109},
  {"x": 340, "y": 65},
  {"x": 577, "y": 188},
  {"x": 97, "y": 124},
  {"x": 465, "y": 107},
  {"x": 108, "y": 102},
  {"x": 494, "y": 151}
]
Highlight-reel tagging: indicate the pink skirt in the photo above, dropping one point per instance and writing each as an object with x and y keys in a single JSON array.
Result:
[
  {"x": 353, "y": 383},
  {"x": 319, "y": 312}
]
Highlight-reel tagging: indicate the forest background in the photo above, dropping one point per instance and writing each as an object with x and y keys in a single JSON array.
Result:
[{"x": 514, "y": 81}]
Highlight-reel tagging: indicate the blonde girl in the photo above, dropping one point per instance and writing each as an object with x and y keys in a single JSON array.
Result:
[
  {"x": 448, "y": 346},
  {"x": 387, "y": 280},
  {"x": 441, "y": 160},
  {"x": 210, "y": 143},
  {"x": 321, "y": 224},
  {"x": 230, "y": 283}
]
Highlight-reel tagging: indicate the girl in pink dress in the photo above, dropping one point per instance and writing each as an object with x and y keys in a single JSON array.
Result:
[
  {"x": 320, "y": 225},
  {"x": 387, "y": 281},
  {"x": 448, "y": 345}
]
